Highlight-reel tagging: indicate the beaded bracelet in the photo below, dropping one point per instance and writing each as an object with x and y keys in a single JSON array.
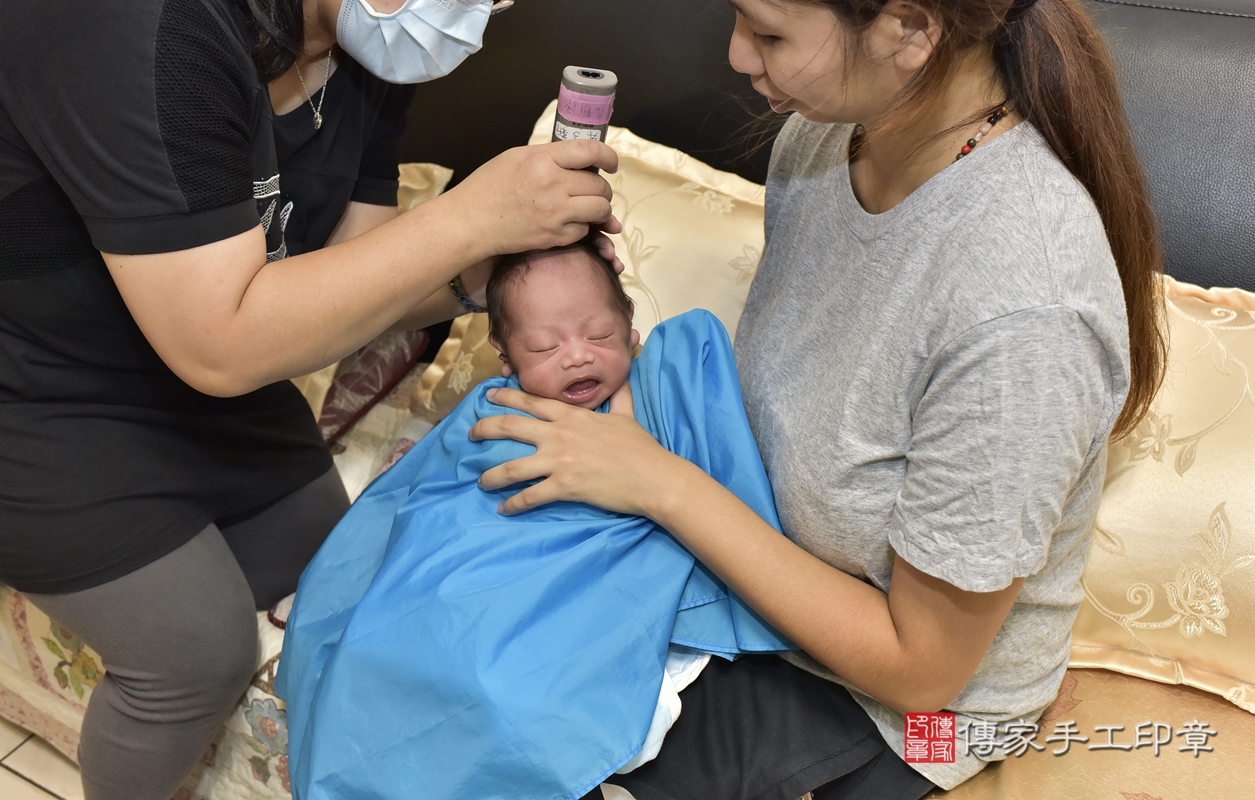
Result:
[{"x": 459, "y": 291}]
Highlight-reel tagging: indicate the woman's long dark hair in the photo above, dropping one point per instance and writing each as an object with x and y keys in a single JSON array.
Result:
[
  {"x": 1059, "y": 76},
  {"x": 280, "y": 27}
]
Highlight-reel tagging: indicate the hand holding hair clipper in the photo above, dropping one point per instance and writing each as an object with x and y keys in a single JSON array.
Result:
[{"x": 585, "y": 103}]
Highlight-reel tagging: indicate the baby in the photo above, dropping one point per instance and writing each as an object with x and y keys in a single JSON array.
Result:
[
  {"x": 562, "y": 323},
  {"x": 439, "y": 649}
]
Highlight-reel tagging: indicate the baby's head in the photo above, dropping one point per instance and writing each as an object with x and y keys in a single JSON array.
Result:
[{"x": 562, "y": 322}]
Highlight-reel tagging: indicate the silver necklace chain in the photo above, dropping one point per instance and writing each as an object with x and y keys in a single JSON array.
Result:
[{"x": 322, "y": 95}]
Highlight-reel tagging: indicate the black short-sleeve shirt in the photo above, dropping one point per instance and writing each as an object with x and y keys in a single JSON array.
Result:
[{"x": 141, "y": 127}]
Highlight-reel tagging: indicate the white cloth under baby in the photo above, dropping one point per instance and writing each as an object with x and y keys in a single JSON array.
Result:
[{"x": 682, "y": 668}]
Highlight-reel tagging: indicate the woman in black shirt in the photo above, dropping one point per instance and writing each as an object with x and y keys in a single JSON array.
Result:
[{"x": 178, "y": 236}]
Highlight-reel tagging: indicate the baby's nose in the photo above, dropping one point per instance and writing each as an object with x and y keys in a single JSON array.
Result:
[{"x": 577, "y": 355}]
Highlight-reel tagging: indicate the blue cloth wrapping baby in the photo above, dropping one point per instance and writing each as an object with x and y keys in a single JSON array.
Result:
[{"x": 439, "y": 650}]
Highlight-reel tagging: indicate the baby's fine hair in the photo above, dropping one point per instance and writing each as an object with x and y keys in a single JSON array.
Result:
[{"x": 511, "y": 268}]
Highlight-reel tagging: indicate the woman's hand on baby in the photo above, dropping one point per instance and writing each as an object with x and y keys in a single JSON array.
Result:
[
  {"x": 536, "y": 197},
  {"x": 605, "y": 460}
]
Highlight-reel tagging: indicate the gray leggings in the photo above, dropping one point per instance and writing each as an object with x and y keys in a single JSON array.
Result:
[{"x": 178, "y": 639}]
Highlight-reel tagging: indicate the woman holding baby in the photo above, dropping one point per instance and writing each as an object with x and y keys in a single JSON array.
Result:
[{"x": 955, "y": 310}]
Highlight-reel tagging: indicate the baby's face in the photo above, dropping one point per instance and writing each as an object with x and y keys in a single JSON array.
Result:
[{"x": 567, "y": 341}]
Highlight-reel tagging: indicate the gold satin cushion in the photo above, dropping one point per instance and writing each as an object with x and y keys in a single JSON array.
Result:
[
  {"x": 1170, "y": 580},
  {"x": 692, "y": 238}
]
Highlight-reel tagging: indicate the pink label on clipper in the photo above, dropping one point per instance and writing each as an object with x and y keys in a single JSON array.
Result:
[{"x": 589, "y": 109}]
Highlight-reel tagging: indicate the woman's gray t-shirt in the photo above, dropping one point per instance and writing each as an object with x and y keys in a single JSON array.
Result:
[{"x": 939, "y": 381}]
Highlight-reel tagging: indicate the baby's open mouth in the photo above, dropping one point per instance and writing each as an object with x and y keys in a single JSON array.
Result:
[{"x": 581, "y": 390}]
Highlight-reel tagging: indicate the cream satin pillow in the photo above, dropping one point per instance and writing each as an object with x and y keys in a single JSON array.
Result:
[
  {"x": 692, "y": 238},
  {"x": 1170, "y": 580}
]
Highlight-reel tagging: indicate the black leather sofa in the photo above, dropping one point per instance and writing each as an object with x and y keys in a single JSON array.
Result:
[{"x": 1188, "y": 75}]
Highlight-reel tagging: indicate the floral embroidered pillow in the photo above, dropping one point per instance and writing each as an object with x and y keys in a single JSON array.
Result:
[
  {"x": 1170, "y": 580},
  {"x": 464, "y": 360},
  {"x": 692, "y": 238}
]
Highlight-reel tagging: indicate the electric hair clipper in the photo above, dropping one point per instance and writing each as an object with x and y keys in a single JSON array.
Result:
[{"x": 585, "y": 103}]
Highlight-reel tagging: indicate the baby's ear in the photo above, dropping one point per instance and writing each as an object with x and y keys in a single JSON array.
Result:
[
  {"x": 634, "y": 336},
  {"x": 507, "y": 369}
]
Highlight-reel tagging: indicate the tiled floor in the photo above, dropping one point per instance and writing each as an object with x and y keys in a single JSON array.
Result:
[{"x": 30, "y": 769}]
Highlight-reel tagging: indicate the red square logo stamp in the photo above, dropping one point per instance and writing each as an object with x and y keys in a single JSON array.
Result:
[{"x": 930, "y": 738}]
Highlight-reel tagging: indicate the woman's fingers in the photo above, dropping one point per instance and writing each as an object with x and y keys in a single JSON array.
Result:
[
  {"x": 612, "y": 225},
  {"x": 507, "y": 426},
  {"x": 606, "y": 248},
  {"x": 588, "y": 209},
  {"x": 583, "y": 153},
  {"x": 528, "y": 468},
  {"x": 589, "y": 184},
  {"x": 532, "y": 497}
]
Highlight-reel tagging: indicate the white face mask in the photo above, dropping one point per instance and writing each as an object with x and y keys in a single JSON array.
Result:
[{"x": 421, "y": 41}]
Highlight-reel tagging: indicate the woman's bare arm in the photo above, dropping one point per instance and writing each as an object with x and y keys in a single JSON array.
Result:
[
  {"x": 357, "y": 219},
  {"x": 440, "y": 305},
  {"x": 913, "y": 649},
  {"x": 227, "y": 322}
]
